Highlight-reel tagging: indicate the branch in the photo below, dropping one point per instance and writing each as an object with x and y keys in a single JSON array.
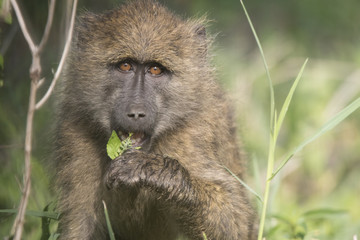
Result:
[
  {"x": 62, "y": 61},
  {"x": 48, "y": 26},
  {"x": 20, "y": 217},
  {"x": 22, "y": 24},
  {"x": 35, "y": 73}
]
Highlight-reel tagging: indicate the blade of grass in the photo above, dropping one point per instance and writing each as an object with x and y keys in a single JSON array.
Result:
[
  {"x": 54, "y": 236},
  {"x": 272, "y": 141},
  {"x": 270, "y": 167},
  {"x": 51, "y": 215},
  {"x": 108, "y": 223},
  {"x": 271, "y": 86},
  {"x": 245, "y": 185},
  {"x": 45, "y": 225},
  {"x": 287, "y": 101},
  {"x": 283, "y": 219},
  {"x": 323, "y": 213},
  {"x": 326, "y": 127}
]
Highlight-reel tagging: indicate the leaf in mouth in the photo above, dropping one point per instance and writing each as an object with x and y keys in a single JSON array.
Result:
[{"x": 115, "y": 147}]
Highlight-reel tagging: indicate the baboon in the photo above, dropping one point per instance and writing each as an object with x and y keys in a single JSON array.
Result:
[{"x": 143, "y": 70}]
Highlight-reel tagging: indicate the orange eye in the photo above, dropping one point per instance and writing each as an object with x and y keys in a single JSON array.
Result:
[
  {"x": 125, "y": 67},
  {"x": 155, "y": 70}
]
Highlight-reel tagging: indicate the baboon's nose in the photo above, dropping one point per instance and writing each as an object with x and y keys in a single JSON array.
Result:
[{"x": 136, "y": 112}]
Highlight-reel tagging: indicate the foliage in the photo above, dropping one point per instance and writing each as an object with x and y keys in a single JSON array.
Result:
[
  {"x": 108, "y": 223},
  {"x": 47, "y": 217},
  {"x": 322, "y": 178},
  {"x": 115, "y": 147},
  {"x": 276, "y": 122}
]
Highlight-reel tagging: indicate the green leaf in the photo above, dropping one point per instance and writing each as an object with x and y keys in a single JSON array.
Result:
[
  {"x": 113, "y": 146},
  {"x": 51, "y": 215},
  {"x": 323, "y": 213},
  {"x": 244, "y": 184},
  {"x": 272, "y": 123},
  {"x": 287, "y": 101},
  {"x": 108, "y": 223},
  {"x": 54, "y": 236},
  {"x": 282, "y": 219},
  {"x": 271, "y": 86},
  {"x": 125, "y": 145},
  {"x": 45, "y": 225},
  {"x": 338, "y": 118}
]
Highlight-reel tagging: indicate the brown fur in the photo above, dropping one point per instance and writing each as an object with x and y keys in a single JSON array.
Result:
[{"x": 177, "y": 187}]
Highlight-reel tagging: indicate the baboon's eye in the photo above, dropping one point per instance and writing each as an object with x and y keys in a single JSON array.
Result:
[
  {"x": 155, "y": 70},
  {"x": 125, "y": 66}
]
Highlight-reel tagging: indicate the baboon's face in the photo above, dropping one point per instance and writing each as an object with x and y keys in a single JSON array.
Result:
[
  {"x": 144, "y": 74},
  {"x": 137, "y": 100}
]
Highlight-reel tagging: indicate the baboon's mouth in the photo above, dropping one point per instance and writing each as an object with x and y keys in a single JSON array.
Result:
[{"x": 138, "y": 139}]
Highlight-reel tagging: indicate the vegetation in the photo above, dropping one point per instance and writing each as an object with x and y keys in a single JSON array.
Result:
[
  {"x": 115, "y": 147},
  {"x": 315, "y": 195}
]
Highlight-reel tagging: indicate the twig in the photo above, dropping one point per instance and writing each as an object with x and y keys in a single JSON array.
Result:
[
  {"x": 35, "y": 74},
  {"x": 19, "y": 221},
  {"x": 23, "y": 26},
  {"x": 48, "y": 26},
  {"x": 62, "y": 61}
]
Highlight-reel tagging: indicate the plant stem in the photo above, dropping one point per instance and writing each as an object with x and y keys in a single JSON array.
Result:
[
  {"x": 270, "y": 168},
  {"x": 273, "y": 136},
  {"x": 35, "y": 74},
  {"x": 19, "y": 221}
]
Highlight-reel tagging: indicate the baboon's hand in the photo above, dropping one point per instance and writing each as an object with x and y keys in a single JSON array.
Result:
[{"x": 140, "y": 169}]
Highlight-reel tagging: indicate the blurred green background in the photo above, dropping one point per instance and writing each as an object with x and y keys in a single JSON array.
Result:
[{"x": 309, "y": 192}]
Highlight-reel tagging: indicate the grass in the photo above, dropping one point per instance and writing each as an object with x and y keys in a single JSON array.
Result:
[
  {"x": 108, "y": 223},
  {"x": 298, "y": 230}
]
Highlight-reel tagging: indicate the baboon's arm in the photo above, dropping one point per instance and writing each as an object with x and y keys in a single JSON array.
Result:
[{"x": 214, "y": 207}]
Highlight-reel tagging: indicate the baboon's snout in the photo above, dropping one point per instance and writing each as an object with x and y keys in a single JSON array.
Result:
[{"x": 136, "y": 112}]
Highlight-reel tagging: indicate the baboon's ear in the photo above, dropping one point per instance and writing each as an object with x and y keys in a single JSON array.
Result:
[
  {"x": 201, "y": 37},
  {"x": 200, "y": 31}
]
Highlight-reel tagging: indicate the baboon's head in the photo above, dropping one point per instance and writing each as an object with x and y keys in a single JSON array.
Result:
[{"x": 139, "y": 69}]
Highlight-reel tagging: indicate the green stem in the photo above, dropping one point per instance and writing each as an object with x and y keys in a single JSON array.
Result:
[
  {"x": 270, "y": 168},
  {"x": 263, "y": 211}
]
